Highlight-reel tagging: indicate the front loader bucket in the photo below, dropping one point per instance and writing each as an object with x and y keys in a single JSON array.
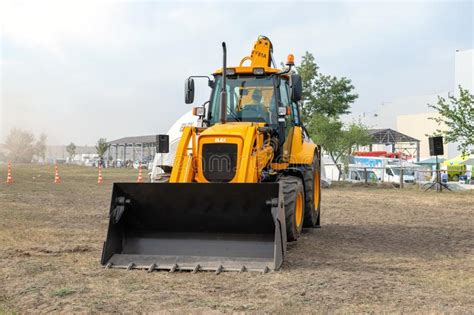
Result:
[{"x": 215, "y": 226}]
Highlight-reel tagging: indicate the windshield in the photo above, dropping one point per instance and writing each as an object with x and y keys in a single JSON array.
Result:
[
  {"x": 371, "y": 176},
  {"x": 248, "y": 99}
]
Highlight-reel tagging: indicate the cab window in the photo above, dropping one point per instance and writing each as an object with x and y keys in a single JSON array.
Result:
[
  {"x": 295, "y": 111},
  {"x": 285, "y": 100},
  {"x": 248, "y": 99}
]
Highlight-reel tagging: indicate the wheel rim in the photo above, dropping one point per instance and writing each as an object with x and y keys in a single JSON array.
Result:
[
  {"x": 299, "y": 209},
  {"x": 317, "y": 187}
]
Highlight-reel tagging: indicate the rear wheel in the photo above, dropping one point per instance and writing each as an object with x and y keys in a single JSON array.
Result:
[
  {"x": 313, "y": 195},
  {"x": 293, "y": 194}
]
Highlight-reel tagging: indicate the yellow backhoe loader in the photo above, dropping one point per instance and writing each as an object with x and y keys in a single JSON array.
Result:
[{"x": 243, "y": 183}]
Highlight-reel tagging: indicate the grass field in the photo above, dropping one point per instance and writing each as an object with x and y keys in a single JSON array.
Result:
[{"x": 378, "y": 250}]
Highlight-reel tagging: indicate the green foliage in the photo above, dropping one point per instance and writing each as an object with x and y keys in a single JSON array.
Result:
[
  {"x": 457, "y": 114},
  {"x": 323, "y": 94},
  {"x": 101, "y": 147},
  {"x": 20, "y": 146},
  {"x": 327, "y": 131},
  {"x": 71, "y": 150},
  {"x": 308, "y": 70},
  {"x": 336, "y": 139},
  {"x": 356, "y": 134},
  {"x": 325, "y": 99}
]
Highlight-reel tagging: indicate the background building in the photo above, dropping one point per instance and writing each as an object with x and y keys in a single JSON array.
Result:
[{"x": 411, "y": 115}]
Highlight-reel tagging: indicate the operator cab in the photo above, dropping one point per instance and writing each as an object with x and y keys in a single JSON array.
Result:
[
  {"x": 256, "y": 93},
  {"x": 249, "y": 99}
]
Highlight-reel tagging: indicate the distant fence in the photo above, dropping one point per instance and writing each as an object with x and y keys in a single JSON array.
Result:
[{"x": 401, "y": 176}]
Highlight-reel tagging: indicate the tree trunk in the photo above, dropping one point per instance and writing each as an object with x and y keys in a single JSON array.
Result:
[{"x": 339, "y": 168}]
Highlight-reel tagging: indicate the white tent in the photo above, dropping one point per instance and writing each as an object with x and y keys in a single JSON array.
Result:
[{"x": 165, "y": 160}]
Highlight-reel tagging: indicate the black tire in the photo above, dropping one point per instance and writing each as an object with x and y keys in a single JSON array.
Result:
[
  {"x": 292, "y": 187},
  {"x": 312, "y": 214}
]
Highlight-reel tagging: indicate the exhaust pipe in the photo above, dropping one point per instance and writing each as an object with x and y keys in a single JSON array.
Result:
[{"x": 223, "y": 89}]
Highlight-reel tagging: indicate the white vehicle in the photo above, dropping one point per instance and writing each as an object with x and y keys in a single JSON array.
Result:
[
  {"x": 118, "y": 163},
  {"x": 392, "y": 174},
  {"x": 88, "y": 157},
  {"x": 357, "y": 175},
  {"x": 144, "y": 164}
]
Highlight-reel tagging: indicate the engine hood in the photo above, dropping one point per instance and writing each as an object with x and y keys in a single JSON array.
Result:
[{"x": 231, "y": 129}]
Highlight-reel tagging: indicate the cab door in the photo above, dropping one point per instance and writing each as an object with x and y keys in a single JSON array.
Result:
[{"x": 289, "y": 118}]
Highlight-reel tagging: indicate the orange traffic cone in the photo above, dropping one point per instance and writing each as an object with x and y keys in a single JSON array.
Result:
[
  {"x": 139, "y": 178},
  {"x": 57, "y": 179},
  {"x": 9, "y": 175},
  {"x": 100, "y": 180}
]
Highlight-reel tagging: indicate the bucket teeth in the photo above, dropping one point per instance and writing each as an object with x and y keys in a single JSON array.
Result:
[
  {"x": 174, "y": 267},
  {"x": 244, "y": 232},
  {"x": 151, "y": 268}
]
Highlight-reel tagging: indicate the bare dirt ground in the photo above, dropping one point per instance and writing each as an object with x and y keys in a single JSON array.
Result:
[{"x": 380, "y": 250}]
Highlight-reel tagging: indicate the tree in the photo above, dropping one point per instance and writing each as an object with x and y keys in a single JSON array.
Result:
[
  {"x": 457, "y": 114},
  {"x": 40, "y": 146},
  {"x": 323, "y": 94},
  {"x": 20, "y": 146},
  {"x": 71, "y": 150},
  {"x": 325, "y": 99},
  {"x": 101, "y": 147},
  {"x": 336, "y": 139}
]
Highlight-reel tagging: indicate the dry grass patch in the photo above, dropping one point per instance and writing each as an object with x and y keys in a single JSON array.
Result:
[{"x": 380, "y": 249}]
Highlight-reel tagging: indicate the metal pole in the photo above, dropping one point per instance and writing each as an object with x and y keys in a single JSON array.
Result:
[
  {"x": 365, "y": 175},
  {"x": 401, "y": 177},
  {"x": 418, "y": 151},
  {"x": 438, "y": 184},
  {"x": 125, "y": 154},
  {"x": 223, "y": 91},
  {"x": 133, "y": 152}
]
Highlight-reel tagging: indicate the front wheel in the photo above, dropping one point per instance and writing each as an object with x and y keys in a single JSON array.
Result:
[
  {"x": 313, "y": 194},
  {"x": 293, "y": 195}
]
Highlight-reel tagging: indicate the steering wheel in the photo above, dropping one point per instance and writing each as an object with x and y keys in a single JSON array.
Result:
[{"x": 251, "y": 108}]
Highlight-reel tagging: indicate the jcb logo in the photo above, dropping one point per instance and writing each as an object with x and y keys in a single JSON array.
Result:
[{"x": 220, "y": 140}]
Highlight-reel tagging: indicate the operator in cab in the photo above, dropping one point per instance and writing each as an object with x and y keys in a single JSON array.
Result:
[{"x": 256, "y": 108}]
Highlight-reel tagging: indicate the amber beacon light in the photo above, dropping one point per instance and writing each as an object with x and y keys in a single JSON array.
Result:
[{"x": 290, "y": 60}]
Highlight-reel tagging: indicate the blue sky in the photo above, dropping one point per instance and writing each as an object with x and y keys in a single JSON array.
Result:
[{"x": 80, "y": 70}]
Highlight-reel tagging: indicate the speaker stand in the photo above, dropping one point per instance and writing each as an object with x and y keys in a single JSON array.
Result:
[{"x": 438, "y": 184}]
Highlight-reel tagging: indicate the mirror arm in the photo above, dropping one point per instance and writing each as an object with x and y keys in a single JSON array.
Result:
[
  {"x": 209, "y": 80},
  {"x": 287, "y": 70}
]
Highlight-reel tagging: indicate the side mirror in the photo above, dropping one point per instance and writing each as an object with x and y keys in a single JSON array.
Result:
[
  {"x": 296, "y": 88},
  {"x": 189, "y": 91}
]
